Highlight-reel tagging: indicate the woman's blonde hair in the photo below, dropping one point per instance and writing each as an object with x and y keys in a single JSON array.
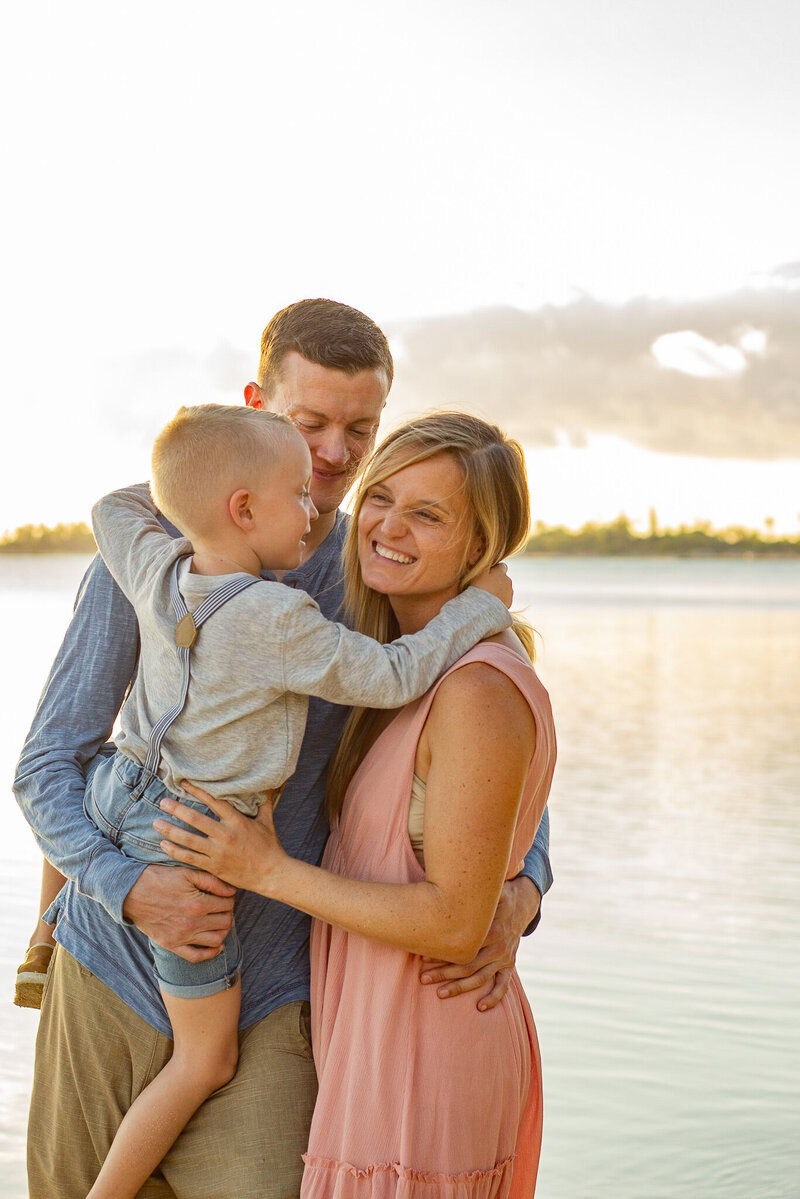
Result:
[{"x": 496, "y": 491}]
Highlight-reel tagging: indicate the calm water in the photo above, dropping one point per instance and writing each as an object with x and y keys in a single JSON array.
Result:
[{"x": 666, "y": 972}]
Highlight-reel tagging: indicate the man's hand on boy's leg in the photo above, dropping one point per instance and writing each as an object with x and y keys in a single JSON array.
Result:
[{"x": 187, "y": 911}]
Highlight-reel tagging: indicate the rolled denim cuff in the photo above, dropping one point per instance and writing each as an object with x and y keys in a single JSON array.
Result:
[{"x": 107, "y": 879}]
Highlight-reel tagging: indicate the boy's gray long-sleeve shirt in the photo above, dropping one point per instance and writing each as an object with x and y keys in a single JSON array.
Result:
[
  {"x": 255, "y": 661},
  {"x": 81, "y": 698}
]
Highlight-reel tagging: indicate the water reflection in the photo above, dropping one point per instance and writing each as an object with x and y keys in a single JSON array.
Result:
[{"x": 664, "y": 974}]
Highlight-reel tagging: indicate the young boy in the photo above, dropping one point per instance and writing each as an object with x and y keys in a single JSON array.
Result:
[{"x": 223, "y": 703}]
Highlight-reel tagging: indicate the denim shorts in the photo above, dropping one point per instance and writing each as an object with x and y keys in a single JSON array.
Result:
[{"x": 128, "y": 822}]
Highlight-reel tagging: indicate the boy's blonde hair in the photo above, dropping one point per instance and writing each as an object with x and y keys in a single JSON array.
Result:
[
  {"x": 208, "y": 451},
  {"x": 496, "y": 490}
]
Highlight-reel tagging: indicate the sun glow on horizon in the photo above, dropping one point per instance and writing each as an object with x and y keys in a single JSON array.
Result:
[{"x": 610, "y": 477}]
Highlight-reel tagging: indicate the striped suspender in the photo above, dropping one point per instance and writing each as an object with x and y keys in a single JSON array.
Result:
[{"x": 185, "y": 637}]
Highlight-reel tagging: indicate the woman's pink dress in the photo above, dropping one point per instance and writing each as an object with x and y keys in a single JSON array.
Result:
[{"x": 419, "y": 1096}]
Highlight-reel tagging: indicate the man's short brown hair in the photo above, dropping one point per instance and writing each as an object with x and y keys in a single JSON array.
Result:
[{"x": 326, "y": 333}]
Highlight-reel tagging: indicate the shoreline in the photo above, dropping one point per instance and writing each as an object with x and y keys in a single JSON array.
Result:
[{"x": 768, "y": 553}]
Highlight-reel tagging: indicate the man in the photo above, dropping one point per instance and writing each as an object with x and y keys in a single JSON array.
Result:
[{"x": 103, "y": 1032}]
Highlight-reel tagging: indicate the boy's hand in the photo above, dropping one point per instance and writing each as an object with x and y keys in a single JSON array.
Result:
[
  {"x": 187, "y": 911},
  {"x": 498, "y": 582}
]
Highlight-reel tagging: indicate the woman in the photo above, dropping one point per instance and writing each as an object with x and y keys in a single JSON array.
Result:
[{"x": 432, "y": 809}]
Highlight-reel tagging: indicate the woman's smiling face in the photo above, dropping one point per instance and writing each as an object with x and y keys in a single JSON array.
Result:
[{"x": 415, "y": 531}]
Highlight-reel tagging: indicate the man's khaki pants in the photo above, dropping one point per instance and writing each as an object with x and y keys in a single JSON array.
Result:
[{"x": 94, "y": 1056}]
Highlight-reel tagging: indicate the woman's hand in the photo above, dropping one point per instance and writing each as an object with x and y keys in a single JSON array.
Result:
[{"x": 243, "y": 852}]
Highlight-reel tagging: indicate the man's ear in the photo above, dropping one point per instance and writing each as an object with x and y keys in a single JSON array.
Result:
[
  {"x": 241, "y": 512},
  {"x": 253, "y": 396}
]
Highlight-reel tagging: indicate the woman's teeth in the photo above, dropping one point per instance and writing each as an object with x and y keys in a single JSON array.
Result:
[{"x": 392, "y": 555}]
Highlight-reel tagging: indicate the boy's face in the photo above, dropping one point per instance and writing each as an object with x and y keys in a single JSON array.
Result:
[
  {"x": 283, "y": 507},
  {"x": 337, "y": 415}
]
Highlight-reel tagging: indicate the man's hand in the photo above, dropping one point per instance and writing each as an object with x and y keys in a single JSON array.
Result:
[
  {"x": 187, "y": 911},
  {"x": 517, "y": 907},
  {"x": 498, "y": 582}
]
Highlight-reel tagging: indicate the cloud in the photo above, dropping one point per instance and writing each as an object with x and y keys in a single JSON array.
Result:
[
  {"x": 788, "y": 273},
  {"x": 715, "y": 378},
  {"x": 694, "y": 355}
]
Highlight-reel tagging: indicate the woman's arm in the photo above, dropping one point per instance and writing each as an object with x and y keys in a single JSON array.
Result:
[
  {"x": 517, "y": 914},
  {"x": 481, "y": 735}
]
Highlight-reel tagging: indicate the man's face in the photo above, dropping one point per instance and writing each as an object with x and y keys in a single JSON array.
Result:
[{"x": 338, "y": 416}]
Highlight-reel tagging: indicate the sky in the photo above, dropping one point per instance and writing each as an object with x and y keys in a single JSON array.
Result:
[{"x": 578, "y": 219}]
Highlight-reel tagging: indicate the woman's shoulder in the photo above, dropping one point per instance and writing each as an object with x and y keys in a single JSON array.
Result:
[
  {"x": 499, "y": 662},
  {"x": 496, "y": 672},
  {"x": 508, "y": 639},
  {"x": 477, "y": 707},
  {"x": 483, "y": 689}
]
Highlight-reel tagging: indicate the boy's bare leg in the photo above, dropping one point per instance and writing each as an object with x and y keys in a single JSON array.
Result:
[
  {"x": 52, "y": 882},
  {"x": 248, "y": 1139},
  {"x": 204, "y": 1058}
]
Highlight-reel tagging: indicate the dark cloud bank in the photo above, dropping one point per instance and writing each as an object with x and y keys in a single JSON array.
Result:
[{"x": 588, "y": 368}]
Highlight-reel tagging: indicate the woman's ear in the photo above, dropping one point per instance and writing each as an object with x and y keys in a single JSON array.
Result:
[{"x": 477, "y": 549}]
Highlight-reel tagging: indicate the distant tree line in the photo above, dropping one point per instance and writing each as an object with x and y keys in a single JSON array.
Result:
[
  {"x": 616, "y": 538},
  {"x": 697, "y": 541},
  {"x": 40, "y": 539}
]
